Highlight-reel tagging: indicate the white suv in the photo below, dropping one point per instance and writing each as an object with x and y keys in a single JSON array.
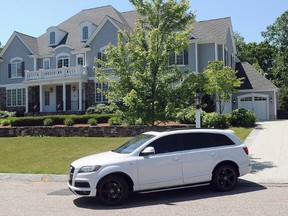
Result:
[{"x": 156, "y": 160}]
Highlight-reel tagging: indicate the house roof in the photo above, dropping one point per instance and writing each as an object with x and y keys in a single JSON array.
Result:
[
  {"x": 215, "y": 30},
  {"x": 253, "y": 79}
]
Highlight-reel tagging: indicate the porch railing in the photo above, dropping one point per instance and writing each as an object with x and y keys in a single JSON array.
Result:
[{"x": 42, "y": 74}]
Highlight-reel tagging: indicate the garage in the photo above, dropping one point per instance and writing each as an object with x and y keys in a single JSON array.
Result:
[{"x": 256, "y": 103}]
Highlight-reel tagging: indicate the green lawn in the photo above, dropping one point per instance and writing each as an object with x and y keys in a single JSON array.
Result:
[{"x": 54, "y": 155}]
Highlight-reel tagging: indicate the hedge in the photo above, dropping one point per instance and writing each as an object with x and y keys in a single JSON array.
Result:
[{"x": 59, "y": 119}]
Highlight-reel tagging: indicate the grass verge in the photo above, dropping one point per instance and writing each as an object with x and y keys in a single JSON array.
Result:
[{"x": 53, "y": 155}]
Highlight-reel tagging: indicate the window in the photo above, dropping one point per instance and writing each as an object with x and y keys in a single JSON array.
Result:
[
  {"x": 85, "y": 33},
  {"x": 46, "y": 64},
  {"x": 100, "y": 92},
  {"x": 52, "y": 38},
  {"x": 80, "y": 60},
  {"x": 63, "y": 61},
  {"x": 102, "y": 56},
  {"x": 47, "y": 98},
  {"x": 179, "y": 59},
  {"x": 166, "y": 144},
  {"x": 16, "y": 68},
  {"x": 15, "y": 97},
  {"x": 246, "y": 99}
]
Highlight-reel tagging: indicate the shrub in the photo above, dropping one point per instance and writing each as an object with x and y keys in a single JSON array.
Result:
[
  {"x": 48, "y": 122},
  {"x": 5, "y": 122},
  {"x": 188, "y": 116},
  {"x": 215, "y": 120},
  {"x": 6, "y": 114},
  {"x": 92, "y": 121},
  {"x": 115, "y": 121},
  {"x": 101, "y": 109},
  {"x": 243, "y": 118},
  {"x": 69, "y": 121}
]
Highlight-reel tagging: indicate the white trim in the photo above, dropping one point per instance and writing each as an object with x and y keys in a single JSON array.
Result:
[
  {"x": 216, "y": 51},
  {"x": 61, "y": 46},
  {"x": 196, "y": 58},
  {"x": 16, "y": 59},
  {"x": 275, "y": 104}
]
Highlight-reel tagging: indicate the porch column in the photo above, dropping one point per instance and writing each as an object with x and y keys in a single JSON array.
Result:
[
  {"x": 80, "y": 96},
  {"x": 196, "y": 57},
  {"x": 26, "y": 99},
  {"x": 41, "y": 98},
  {"x": 64, "y": 97}
]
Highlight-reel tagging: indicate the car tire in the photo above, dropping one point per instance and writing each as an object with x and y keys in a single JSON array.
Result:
[
  {"x": 112, "y": 190},
  {"x": 224, "y": 178}
]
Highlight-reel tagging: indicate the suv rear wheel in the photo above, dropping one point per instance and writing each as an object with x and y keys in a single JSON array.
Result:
[
  {"x": 224, "y": 178},
  {"x": 112, "y": 190}
]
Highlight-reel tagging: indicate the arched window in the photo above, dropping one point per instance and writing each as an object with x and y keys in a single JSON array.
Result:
[
  {"x": 63, "y": 61},
  {"x": 52, "y": 38},
  {"x": 85, "y": 33}
]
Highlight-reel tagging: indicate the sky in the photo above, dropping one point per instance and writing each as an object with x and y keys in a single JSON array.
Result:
[{"x": 33, "y": 17}]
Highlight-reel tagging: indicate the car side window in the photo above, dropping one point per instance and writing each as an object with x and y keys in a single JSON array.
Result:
[
  {"x": 196, "y": 141},
  {"x": 221, "y": 140},
  {"x": 204, "y": 140},
  {"x": 166, "y": 144}
]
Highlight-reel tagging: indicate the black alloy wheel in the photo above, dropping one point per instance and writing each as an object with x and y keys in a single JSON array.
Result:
[
  {"x": 112, "y": 190},
  {"x": 224, "y": 178}
]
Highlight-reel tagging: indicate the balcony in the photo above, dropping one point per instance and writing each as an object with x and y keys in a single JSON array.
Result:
[{"x": 59, "y": 73}]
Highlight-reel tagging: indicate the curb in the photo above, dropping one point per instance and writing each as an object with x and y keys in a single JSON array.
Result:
[{"x": 34, "y": 177}]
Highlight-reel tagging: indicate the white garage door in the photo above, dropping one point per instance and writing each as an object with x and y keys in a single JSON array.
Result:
[{"x": 256, "y": 104}]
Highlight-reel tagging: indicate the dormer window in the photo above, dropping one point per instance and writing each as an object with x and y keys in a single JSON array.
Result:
[
  {"x": 52, "y": 38},
  {"x": 86, "y": 29},
  {"x": 55, "y": 35},
  {"x": 85, "y": 33}
]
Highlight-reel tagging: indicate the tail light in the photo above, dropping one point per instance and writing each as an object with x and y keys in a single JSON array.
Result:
[{"x": 246, "y": 150}]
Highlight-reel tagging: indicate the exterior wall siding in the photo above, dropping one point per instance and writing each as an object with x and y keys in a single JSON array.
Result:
[
  {"x": 16, "y": 49},
  {"x": 206, "y": 53},
  {"x": 108, "y": 34}
]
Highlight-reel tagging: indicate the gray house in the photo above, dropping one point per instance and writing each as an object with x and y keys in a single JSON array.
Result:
[{"x": 55, "y": 72}]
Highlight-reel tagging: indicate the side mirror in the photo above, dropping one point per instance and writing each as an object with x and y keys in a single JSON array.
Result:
[{"x": 148, "y": 151}]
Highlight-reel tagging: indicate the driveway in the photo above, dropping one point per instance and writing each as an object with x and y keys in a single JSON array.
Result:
[{"x": 268, "y": 148}]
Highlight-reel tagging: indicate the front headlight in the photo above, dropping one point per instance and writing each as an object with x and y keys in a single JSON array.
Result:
[{"x": 87, "y": 169}]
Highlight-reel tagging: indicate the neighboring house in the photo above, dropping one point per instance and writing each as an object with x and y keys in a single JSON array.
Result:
[{"x": 55, "y": 72}]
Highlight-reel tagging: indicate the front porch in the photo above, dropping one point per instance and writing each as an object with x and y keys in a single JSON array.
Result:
[{"x": 56, "y": 90}]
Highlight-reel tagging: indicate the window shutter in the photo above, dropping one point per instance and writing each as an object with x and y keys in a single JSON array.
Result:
[
  {"x": 9, "y": 71},
  {"x": 186, "y": 57},
  {"x": 99, "y": 57},
  {"x": 23, "y": 69}
]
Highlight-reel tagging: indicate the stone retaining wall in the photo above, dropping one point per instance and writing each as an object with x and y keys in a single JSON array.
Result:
[{"x": 117, "y": 131}]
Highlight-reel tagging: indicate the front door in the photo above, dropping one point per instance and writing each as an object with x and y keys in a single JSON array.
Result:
[
  {"x": 59, "y": 98},
  {"x": 34, "y": 98},
  {"x": 68, "y": 97}
]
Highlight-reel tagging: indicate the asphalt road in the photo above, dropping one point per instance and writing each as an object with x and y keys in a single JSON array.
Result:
[{"x": 20, "y": 198}]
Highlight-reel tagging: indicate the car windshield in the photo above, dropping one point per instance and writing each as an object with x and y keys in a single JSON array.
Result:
[{"x": 133, "y": 144}]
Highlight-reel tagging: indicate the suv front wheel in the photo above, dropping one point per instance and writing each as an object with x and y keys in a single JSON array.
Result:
[
  {"x": 112, "y": 190},
  {"x": 224, "y": 178}
]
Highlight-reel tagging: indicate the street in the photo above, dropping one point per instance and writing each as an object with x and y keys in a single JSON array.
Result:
[{"x": 20, "y": 198}]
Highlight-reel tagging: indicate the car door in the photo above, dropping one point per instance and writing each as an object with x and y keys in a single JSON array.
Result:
[
  {"x": 199, "y": 157},
  {"x": 164, "y": 168}
]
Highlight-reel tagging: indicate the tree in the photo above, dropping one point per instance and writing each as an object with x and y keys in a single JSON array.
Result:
[
  {"x": 277, "y": 35},
  {"x": 143, "y": 87},
  {"x": 220, "y": 81},
  {"x": 259, "y": 55}
]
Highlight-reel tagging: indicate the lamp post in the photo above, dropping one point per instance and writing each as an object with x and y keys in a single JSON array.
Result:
[{"x": 198, "y": 108}]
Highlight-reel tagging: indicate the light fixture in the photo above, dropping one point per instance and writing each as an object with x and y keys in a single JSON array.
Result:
[
  {"x": 234, "y": 101},
  {"x": 51, "y": 89},
  {"x": 271, "y": 100},
  {"x": 73, "y": 88}
]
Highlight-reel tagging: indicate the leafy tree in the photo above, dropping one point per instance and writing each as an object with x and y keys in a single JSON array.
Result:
[
  {"x": 277, "y": 35},
  {"x": 0, "y": 47},
  {"x": 220, "y": 81},
  {"x": 144, "y": 87},
  {"x": 260, "y": 56}
]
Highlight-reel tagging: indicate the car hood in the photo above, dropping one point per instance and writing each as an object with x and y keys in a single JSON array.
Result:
[{"x": 98, "y": 159}]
